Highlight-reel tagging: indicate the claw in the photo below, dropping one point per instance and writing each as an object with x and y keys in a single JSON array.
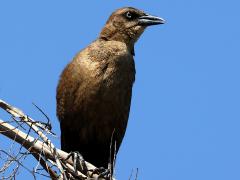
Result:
[
  {"x": 78, "y": 162},
  {"x": 106, "y": 174},
  {"x": 101, "y": 172}
]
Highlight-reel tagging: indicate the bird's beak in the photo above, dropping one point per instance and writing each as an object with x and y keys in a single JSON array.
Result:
[{"x": 148, "y": 20}]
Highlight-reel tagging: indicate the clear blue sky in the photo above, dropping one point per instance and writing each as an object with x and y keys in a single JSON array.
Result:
[{"x": 185, "y": 114}]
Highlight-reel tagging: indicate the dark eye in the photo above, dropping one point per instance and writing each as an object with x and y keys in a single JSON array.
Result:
[{"x": 129, "y": 15}]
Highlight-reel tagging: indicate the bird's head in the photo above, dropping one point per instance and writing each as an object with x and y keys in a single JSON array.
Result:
[{"x": 127, "y": 24}]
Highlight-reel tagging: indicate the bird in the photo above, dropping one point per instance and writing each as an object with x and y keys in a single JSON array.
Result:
[{"x": 95, "y": 88}]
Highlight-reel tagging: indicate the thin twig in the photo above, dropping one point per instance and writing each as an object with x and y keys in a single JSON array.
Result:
[{"x": 136, "y": 177}]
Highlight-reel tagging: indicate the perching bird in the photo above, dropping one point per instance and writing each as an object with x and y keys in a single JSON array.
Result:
[{"x": 94, "y": 91}]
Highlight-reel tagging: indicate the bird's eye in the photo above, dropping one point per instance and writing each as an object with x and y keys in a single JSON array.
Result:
[{"x": 129, "y": 15}]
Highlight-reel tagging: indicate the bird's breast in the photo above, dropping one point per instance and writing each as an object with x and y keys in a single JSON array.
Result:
[{"x": 111, "y": 64}]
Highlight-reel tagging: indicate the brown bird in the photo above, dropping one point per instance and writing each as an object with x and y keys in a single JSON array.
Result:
[{"x": 94, "y": 91}]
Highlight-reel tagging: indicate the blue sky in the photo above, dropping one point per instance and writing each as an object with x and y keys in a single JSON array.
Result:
[{"x": 184, "y": 121}]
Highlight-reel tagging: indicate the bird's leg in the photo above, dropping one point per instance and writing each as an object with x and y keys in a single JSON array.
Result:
[{"x": 78, "y": 162}]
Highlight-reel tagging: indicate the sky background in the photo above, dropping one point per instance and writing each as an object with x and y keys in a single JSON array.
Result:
[{"x": 185, "y": 114}]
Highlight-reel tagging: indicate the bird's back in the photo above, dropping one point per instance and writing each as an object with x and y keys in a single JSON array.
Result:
[{"x": 93, "y": 99}]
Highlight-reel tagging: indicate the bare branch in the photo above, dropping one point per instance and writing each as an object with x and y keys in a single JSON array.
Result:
[{"x": 54, "y": 161}]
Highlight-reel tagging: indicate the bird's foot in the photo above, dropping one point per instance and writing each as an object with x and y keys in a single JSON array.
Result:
[
  {"x": 78, "y": 162},
  {"x": 102, "y": 173}
]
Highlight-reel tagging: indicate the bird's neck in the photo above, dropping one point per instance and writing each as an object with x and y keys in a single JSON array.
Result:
[{"x": 111, "y": 34}]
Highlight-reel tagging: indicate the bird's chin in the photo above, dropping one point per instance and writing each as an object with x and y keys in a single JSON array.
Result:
[
  {"x": 139, "y": 29},
  {"x": 135, "y": 30}
]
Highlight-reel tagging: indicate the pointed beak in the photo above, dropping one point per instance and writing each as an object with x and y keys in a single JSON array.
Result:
[{"x": 148, "y": 20}]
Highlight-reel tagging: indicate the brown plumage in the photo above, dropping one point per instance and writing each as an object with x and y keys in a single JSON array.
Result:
[{"x": 94, "y": 91}]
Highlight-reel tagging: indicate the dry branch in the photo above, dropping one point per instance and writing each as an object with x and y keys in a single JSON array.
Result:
[{"x": 41, "y": 147}]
